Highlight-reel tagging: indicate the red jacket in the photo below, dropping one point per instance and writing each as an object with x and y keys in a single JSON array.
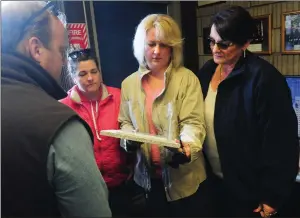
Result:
[{"x": 100, "y": 115}]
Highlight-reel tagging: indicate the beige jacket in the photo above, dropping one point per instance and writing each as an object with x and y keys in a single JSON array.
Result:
[{"x": 178, "y": 113}]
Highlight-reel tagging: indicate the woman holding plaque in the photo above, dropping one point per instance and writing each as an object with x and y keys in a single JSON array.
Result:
[
  {"x": 164, "y": 98},
  {"x": 252, "y": 139},
  {"x": 99, "y": 106}
]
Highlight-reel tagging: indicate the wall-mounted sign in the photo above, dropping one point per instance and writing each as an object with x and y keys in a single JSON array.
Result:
[{"x": 78, "y": 36}]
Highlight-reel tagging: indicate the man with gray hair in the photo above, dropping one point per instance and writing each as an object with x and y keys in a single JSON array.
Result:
[{"x": 48, "y": 166}]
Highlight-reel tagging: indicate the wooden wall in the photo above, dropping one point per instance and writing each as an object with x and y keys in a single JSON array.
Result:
[{"x": 287, "y": 64}]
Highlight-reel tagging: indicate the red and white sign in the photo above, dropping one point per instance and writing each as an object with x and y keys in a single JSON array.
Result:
[{"x": 78, "y": 36}]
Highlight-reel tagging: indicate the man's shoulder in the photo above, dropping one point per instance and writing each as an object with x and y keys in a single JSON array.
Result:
[
  {"x": 72, "y": 129},
  {"x": 70, "y": 126},
  {"x": 32, "y": 99},
  {"x": 68, "y": 102}
]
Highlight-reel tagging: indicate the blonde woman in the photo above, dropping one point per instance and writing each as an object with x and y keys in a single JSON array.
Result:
[{"x": 164, "y": 98}]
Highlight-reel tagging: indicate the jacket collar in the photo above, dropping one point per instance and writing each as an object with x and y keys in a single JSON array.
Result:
[
  {"x": 77, "y": 97},
  {"x": 143, "y": 71},
  {"x": 17, "y": 67},
  {"x": 238, "y": 69}
]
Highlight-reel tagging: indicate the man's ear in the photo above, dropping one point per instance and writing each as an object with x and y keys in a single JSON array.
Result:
[{"x": 36, "y": 49}]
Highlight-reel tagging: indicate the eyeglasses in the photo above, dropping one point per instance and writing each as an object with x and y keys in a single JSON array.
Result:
[
  {"x": 75, "y": 55},
  {"x": 221, "y": 45},
  {"x": 50, "y": 6}
]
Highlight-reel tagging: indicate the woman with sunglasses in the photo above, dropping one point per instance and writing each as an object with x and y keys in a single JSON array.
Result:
[
  {"x": 252, "y": 139},
  {"x": 164, "y": 98},
  {"x": 99, "y": 105}
]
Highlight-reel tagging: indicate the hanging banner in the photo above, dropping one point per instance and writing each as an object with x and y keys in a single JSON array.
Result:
[{"x": 78, "y": 36}]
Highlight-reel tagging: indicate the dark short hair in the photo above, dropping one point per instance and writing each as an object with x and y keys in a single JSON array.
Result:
[
  {"x": 77, "y": 56},
  {"x": 234, "y": 24}
]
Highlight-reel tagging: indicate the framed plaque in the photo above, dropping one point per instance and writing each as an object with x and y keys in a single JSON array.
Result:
[
  {"x": 290, "y": 33},
  {"x": 261, "y": 43},
  {"x": 141, "y": 137}
]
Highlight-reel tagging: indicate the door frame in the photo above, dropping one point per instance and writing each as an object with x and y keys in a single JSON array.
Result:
[{"x": 173, "y": 9}]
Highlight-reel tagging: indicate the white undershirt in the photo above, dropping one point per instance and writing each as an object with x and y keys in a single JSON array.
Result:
[{"x": 210, "y": 147}]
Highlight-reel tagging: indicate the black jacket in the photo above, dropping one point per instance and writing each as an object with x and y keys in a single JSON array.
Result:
[
  {"x": 256, "y": 130},
  {"x": 30, "y": 118}
]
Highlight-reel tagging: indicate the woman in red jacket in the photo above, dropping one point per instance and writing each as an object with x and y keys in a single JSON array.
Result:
[{"x": 99, "y": 105}]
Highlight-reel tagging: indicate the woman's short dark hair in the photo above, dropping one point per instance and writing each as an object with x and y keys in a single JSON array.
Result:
[
  {"x": 234, "y": 24},
  {"x": 77, "y": 56}
]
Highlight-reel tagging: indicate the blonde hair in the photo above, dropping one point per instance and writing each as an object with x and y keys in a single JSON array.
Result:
[{"x": 167, "y": 31}]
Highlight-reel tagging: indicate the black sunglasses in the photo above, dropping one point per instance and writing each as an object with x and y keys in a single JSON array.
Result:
[
  {"x": 221, "y": 45},
  {"x": 50, "y": 6},
  {"x": 75, "y": 55}
]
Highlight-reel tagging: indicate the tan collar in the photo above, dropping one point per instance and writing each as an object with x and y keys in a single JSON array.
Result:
[
  {"x": 143, "y": 71},
  {"x": 75, "y": 96}
]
